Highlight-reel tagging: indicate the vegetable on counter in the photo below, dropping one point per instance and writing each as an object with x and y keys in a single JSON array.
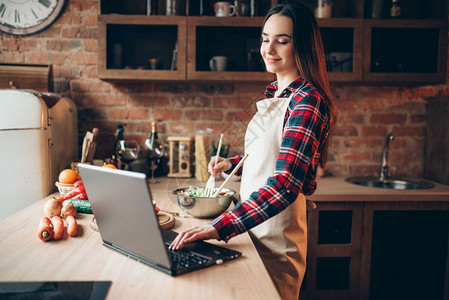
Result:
[
  {"x": 58, "y": 227},
  {"x": 78, "y": 192},
  {"x": 201, "y": 192},
  {"x": 72, "y": 226},
  {"x": 81, "y": 206},
  {"x": 68, "y": 210},
  {"x": 45, "y": 231},
  {"x": 52, "y": 208}
]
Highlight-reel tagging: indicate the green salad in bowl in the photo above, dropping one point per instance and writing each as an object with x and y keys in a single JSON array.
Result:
[{"x": 201, "y": 192}]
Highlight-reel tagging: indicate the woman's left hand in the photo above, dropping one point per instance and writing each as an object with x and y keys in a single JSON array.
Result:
[{"x": 192, "y": 234}]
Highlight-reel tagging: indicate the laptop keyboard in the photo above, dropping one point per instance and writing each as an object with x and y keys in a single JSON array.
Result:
[{"x": 182, "y": 259}]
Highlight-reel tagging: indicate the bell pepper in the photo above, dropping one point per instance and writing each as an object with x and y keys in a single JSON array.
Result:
[
  {"x": 80, "y": 196},
  {"x": 78, "y": 192}
]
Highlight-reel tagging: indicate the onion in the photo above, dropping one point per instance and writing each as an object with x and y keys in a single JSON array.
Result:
[
  {"x": 68, "y": 210},
  {"x": 52, "y": 208}
]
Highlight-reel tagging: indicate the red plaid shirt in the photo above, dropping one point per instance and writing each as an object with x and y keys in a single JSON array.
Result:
[{"x": 306, "y": 127}]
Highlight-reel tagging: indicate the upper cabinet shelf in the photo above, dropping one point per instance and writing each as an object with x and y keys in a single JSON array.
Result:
[
  {"x": 141, "y": 48},
  {"x": 165, "y": 40},
  {"x": 236, "y": 38},
  {"x": 405, "y": 50}
]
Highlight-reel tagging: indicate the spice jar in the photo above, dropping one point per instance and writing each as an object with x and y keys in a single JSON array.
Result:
[
  {"x": 323, "y": 9},
  {"x": 395, "y": 10}
]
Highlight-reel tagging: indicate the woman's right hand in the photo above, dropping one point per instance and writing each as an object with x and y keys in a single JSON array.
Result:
[{"x": 223, "y": 164}]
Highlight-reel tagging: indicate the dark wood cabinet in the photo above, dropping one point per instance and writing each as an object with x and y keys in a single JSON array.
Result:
[
  {"x": 334, "y": 251},
  {"x": 405, "y": 51},
  {"x": 359, "y": 49},
  {"x": 128, "y": 42},
  {"x": 237, "y": 38},
  {"x": 408, "y": 252},
  {"x": 378, "y": 250}
]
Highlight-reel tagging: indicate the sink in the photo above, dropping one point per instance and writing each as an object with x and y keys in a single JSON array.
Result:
[{"x": 391, "y": 183}]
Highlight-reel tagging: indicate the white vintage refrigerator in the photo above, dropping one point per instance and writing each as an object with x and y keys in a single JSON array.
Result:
[{"x": 38, "y": 139}]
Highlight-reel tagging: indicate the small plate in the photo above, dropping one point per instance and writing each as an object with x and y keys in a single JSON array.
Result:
[{"x": 166, "y": 221}]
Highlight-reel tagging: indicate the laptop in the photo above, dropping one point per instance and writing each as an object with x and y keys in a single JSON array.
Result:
[{"x": 123, "y": 207}]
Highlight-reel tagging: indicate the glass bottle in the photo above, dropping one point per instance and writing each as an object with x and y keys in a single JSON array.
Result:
[
  {"x": 155, "y": 147},
  {"x": 377, "y": 9},
  {"x": 152, "y": 7},
  {"x": 323, "y": 9},
  {"x": 395, "y": 10},
  {"x": 119, "y": 138},
  {"x": 253, "y": 8}
]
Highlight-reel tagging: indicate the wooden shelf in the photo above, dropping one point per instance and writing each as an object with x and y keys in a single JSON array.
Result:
[
  {"x": 136, "y": 36},
  {"x": 210, "y": 36},
  {"x": 413, "y": 50},
  {"x": 350, "y": 31},
  {"x": 352, "y": 41}
]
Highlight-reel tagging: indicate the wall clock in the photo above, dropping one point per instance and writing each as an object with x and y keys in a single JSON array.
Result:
[{"x": 21, "y": 17}]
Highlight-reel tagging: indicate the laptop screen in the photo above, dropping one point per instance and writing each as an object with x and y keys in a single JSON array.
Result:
[{"x": 123, "y": 208}]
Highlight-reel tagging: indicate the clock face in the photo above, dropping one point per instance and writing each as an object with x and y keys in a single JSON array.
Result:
[{"x": 28, "y": 16}]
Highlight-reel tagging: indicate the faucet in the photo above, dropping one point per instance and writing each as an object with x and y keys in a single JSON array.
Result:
[{"x": 384, "y": 166}]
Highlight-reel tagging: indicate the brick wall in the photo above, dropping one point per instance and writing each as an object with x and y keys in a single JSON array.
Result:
[{"x": 367, "y": 113}]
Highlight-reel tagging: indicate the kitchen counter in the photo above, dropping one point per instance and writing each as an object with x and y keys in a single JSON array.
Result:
[
  {"x": 337, "y": 189},
  {"x": 83, "y": 258},
  {"x": 23, "y": 257},
  {"x": 376, "y": 243}
]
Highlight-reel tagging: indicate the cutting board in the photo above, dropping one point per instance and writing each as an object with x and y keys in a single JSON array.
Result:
[{"x": 166, "y": 221}]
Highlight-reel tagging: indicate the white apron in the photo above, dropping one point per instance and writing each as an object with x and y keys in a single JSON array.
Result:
[{"x": 281, "y": 240}]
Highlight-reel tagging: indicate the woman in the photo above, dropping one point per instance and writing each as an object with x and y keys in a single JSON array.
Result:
[{"x": 286, "y": 141}]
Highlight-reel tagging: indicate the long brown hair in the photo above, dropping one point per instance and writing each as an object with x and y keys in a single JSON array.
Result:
[{"x": 309, "y": 56}]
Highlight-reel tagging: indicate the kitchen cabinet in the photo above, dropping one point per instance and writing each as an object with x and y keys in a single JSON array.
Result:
[
  {"x": 378, "y": 249},
  {"x": 334, "y": 251},
  {"x": 409, "y": 249},
  {"x": 342, "y": 39},
  {"x": 405, "y": 51},
  {"x": 359, "y": 48},
  {"x": 212, "y": 36},
  {"x": 128, "y": 42}
]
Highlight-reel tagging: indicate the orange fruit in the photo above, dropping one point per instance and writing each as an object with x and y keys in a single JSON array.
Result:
[
  {"x": 68, "y": 176},
  {"x": 111, "y": 166}
]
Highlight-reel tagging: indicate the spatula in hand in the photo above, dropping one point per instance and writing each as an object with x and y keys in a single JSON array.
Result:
[
  {"x": 230, "y": 175},
  {"x": 210, "y": 184}
]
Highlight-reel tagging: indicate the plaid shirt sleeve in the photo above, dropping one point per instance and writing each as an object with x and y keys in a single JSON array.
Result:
[
  {"x": 305, "y": 129},
  {"x": 234, "y": 162}
]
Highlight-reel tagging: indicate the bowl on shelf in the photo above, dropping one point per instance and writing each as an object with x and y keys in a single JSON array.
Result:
[
  {"x": 204, "y": 207},
  {"x": 64, "y": 188}
]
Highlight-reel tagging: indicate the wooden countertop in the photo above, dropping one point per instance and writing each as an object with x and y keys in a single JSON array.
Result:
[
  {"x": 23, "y": 257},
  {"x": 337, "y": 189}
]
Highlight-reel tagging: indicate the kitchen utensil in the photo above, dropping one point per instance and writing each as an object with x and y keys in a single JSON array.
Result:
[
  {"x": 203, "y": 207},
  {"x": 83, "y": 149},
  {"x": 201, "y": 161},
  {"x": 166, "y": 220},
  {"x": 210, "y": 184},
  {"x": 86, "y": 142},
  {"x": 180, "y": 156},
  {"x": 92, "y": 146},
  {"x": 230, "y": 175}
]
